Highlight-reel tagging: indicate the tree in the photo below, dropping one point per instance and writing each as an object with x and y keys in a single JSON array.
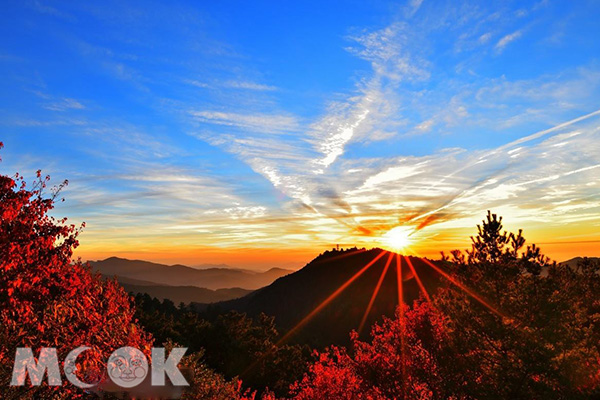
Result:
[
  {"x": 508, "y": 324},
  {"x": 232, "y": 344},
  {"x": 409, "y": 357},
  {"x": 542, "y": 339},
  {"x": 46, "y": 300},
  {"x": 49, "y": 300}
]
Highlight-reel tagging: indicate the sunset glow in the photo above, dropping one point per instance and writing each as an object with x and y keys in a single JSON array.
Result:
[
  {"x": 213, "y": 140},
  {"x": 298, "y": 200},
  {"x": 398, "y": 238}
]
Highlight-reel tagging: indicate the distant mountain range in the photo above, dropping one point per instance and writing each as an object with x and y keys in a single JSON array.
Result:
[
  {"x": 287, "y": 295},
  {"x": 292, "y": 297},
  {"x": 573, "y": 262},
  {"x": 185, "y": 294},
  {"x": 181, "y": 283}
]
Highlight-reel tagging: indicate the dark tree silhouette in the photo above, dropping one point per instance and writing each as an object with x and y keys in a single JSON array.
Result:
[{"x": 508, "y": 324}]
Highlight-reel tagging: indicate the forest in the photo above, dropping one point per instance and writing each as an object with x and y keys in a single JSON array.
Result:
[{"x": 502, "y": 321}]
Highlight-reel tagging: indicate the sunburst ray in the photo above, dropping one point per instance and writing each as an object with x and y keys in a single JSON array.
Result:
[
  {"x": 464, "y": 288},
  {"x": 381, "y": 278},
  {"x": 329, "y": 299},
  {"x": 421, "y": 286}
]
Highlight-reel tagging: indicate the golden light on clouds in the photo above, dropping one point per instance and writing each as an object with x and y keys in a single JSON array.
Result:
[{"x": 247, "y": 164}]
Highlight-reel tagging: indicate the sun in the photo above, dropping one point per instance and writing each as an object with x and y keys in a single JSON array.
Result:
[{"x": 398, "y": 238}]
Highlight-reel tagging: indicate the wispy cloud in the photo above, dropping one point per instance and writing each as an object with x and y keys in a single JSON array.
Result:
[
  {"x": 339, "y": 194},
  {"x": 334, "y": 131},
  {"x": 266, "y": 123},
  {"x": 485, "y": 38},
  {"x": 38, "y": 123},
  {"x": 506, "y": 40},
  {"x": 425, "y": 126},
  {"x": 197, "y": 83},
  {"x": 232, "y": 84},
  {"x": 368, "y": 114},
  {"x": 458, "y": 185},
  {"x": 372, "y": 114},
  {"x": 414, "y": 6},
  {"x": 64, "y": 104},
  {"x": 57, "y": 103},
  {"x": 390, "y": 52},
  {"x": 43, "y": 8},
  {"x": 425, "y": 132},
  {"x": 249, "y": 86}
]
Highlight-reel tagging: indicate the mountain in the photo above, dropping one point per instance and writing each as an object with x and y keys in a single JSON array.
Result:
[
  {"x": 138, "y": 282},
  {"x": 292, "y": 297},
  {"x": 181, "y": 275},
  {"x": 186, "y": 294},
  {"x": 573, "y": 262}
]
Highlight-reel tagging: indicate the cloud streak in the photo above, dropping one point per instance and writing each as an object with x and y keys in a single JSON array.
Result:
[
  {"x": 232, "y": 151},
  {"x": 506, "y": 40},
  {"x": 266, "y": 123},
  {"x": 362, "y": 198}
]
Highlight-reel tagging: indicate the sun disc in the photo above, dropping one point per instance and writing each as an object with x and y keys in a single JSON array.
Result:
[{"x": 398, "y": 238}]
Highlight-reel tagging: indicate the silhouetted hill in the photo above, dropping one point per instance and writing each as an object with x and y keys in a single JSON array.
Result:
[
  {"x": 181, "y": 275},
  {"x": 139, "y": 282},
  {"x": 186, "y": 294},
  {"x": 573, "y": 262},
  {"x": 290, "y": 298}
]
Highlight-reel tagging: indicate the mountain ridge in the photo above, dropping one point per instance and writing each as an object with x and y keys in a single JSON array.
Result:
[
  {"x": 187, "y": 294},
  {"x": 292, "y": 297},
  {"x": 182, "y": 275}
]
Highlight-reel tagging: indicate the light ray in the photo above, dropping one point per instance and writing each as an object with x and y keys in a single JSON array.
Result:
[
  {"x": 375, "y": 292},
  {"x": 340, "y": 256},
  {"x": 399, "y": 275},
  {"x": 329, "y": 299},
  {"x": 401, "y": 319},
  {"x": 464, "y": 288},
  {"x": 421, "y": 286}
]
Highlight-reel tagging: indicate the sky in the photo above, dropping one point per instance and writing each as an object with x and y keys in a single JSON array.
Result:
[{"x": 259, "y": 134}]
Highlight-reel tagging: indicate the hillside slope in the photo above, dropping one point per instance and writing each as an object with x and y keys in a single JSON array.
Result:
[
  {"x": 186, "y": 294},
  {"x": 289, "y": 299}
]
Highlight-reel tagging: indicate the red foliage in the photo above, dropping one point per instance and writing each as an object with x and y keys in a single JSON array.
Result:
[
  {"x": 404, "y": 360},
  {"x": 544, "y": 344},
  {"x": 45, "y": 299}
]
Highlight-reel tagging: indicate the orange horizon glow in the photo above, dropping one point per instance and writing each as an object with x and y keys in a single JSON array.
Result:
[
  {"x": 260, "y": 258},
  {"x": 560, "y": 243}
]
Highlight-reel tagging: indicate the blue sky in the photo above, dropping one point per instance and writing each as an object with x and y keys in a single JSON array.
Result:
[{"x": 191, "y": 130}]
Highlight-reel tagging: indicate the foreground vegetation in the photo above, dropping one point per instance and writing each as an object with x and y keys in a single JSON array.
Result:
[
  {"x": 510, "y": 325},
  {"x": 507, "y": 323}
]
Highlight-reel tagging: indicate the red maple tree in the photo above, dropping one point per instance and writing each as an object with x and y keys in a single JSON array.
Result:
[
  {"x": 46, "y": 299},
  {"x": 406, "y": 359}
]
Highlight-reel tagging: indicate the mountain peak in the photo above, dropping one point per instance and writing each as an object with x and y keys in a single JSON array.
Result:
[{"x": 339, "y": 285}]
